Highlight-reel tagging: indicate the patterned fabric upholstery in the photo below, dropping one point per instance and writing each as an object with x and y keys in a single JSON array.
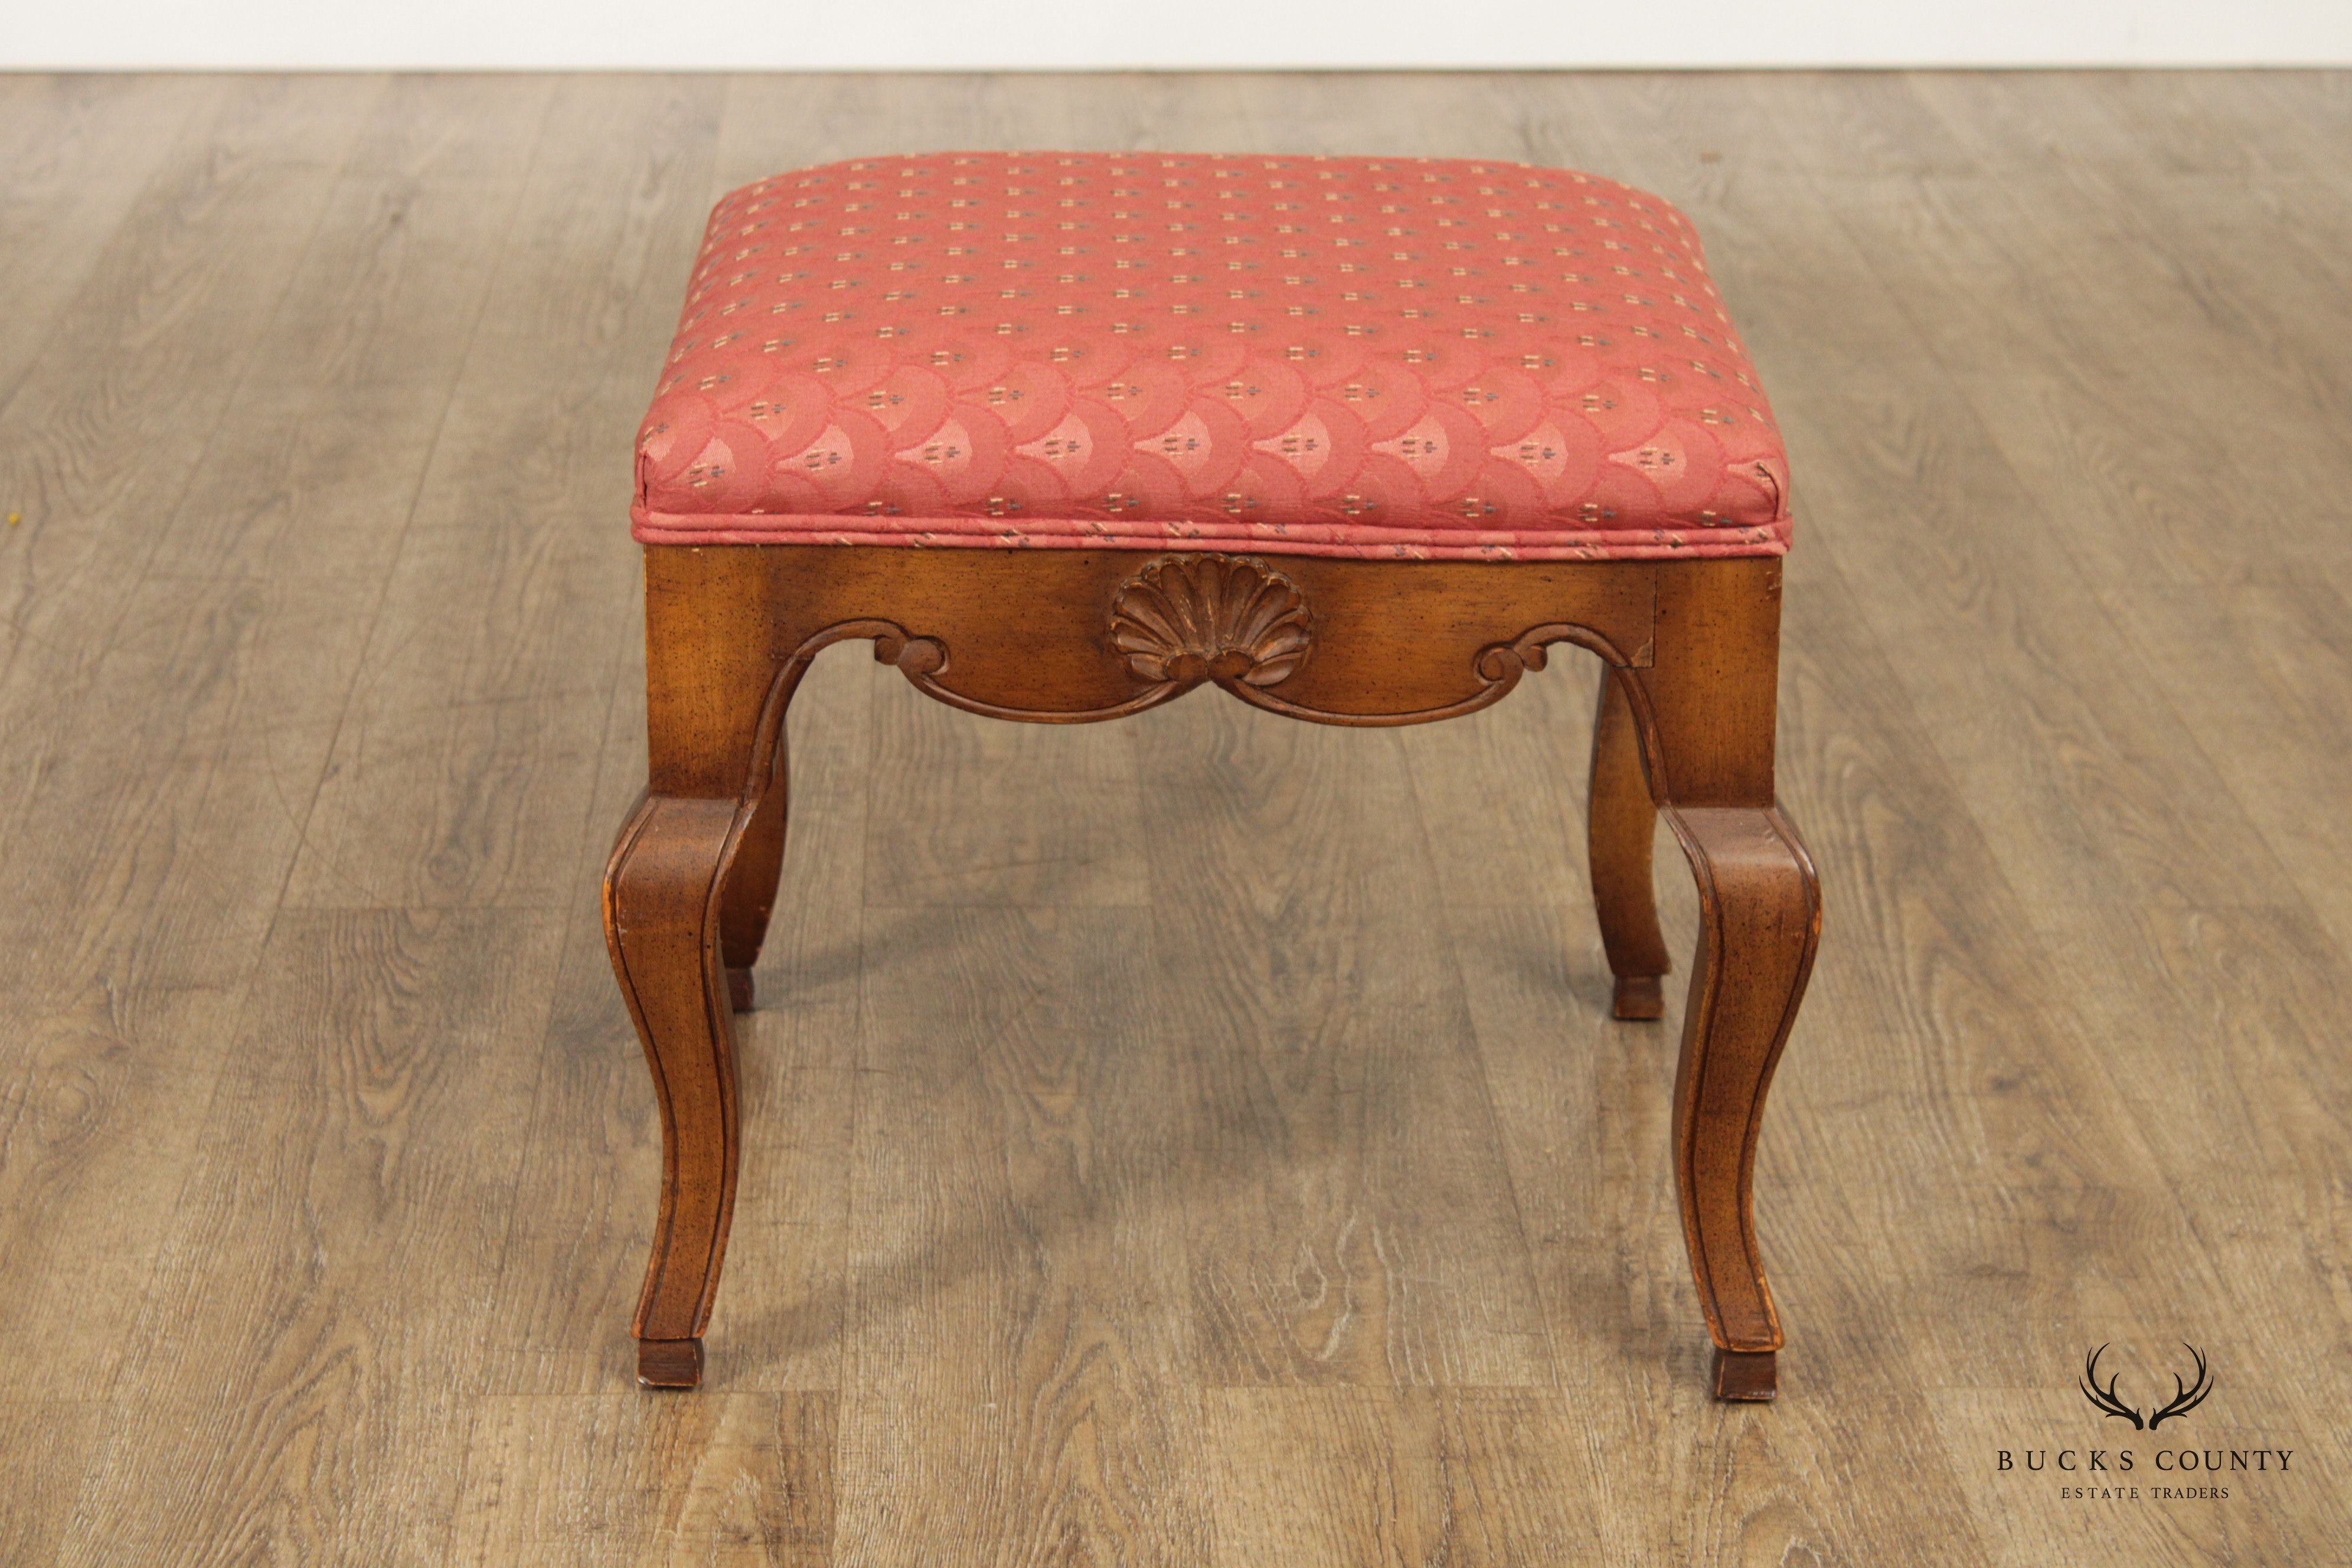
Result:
[{"x": 1340, "y": 356}]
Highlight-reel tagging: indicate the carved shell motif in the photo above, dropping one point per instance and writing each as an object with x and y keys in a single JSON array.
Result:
[{"x": 1189, "y": 618}]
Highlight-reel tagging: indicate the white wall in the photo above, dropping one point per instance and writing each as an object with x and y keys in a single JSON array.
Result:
[{"x": 1014, "y": 34}]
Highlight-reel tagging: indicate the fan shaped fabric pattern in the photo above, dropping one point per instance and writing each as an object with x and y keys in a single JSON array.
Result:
[{"x": 1425, "y": 359}]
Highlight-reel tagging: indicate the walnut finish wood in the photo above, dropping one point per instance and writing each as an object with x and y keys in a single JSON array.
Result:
[
  {"x": 1028, "y": 635},
  {"x": 750, "y": 891},
  {"x": 1690, "y": 660},
  {"x": 663, "y": 896},
  {"x": 1759, "y": 922},
  {"x": 1621, "y": 823},
  {"x": 1705, "y": 709},
  {"x": 1747, "y": 1376}
]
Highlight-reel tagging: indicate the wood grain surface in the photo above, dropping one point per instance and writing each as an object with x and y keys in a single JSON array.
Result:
[{"x": 1115, "y": 1190}]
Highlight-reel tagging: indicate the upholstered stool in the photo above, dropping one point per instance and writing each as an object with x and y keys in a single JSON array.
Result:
[{"x": 1067, "y": 436}]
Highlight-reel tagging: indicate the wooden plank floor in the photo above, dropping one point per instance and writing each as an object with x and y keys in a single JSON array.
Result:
[{"x": 1199, "y": 1139}]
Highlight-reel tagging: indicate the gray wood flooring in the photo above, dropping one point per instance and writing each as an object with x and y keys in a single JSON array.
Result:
[{"x": 1199, "y": 1139}]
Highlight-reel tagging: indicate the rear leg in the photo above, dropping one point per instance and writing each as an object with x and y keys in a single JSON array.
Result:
[
  {"x": 1619, "y": 827},
  {"x": 751, "y": 893}
]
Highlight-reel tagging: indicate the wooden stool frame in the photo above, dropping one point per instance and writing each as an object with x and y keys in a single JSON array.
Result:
[{"x": 1684, "y": 727}]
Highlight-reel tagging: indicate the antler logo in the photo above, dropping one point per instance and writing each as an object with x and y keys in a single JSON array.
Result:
[{"x": 2186, "y": 1397}]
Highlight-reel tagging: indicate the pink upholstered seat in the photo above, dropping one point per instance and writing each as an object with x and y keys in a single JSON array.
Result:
[{"x": 1343, "y": 356}]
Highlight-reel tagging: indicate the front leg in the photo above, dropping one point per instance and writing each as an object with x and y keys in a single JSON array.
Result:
[
  {"x": 1759, "y": 922},
  {"x": 1706, "y": 710},
  {"x": 664, "y": 890}
]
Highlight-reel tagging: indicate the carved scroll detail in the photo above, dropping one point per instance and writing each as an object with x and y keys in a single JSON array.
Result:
[
  {"x": 1499, "y": 667},
  {"x": 1189, "y": 618},
  {"x": 1179, "y": 623}
]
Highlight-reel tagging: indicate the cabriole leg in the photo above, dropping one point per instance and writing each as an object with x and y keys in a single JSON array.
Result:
[
  {"x": 663, "y": 893},
  {"x": 1759, "y": 920}
]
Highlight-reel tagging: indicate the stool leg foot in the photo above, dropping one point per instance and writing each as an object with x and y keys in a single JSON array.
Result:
[
  {"x": 662, "y": 890},
  {"x": 1640, "y": 997},
  {"x": 669, "y": 1363},
  {"x": 1620, "y": 824},
  {"x": 743, "y": 996},
  {"x": 1748, "y": 1376}
]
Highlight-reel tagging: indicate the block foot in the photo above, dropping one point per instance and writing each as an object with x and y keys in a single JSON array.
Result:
[
  {"x": 1640, "y": 996},
  {"x": 740, "y": 992},
  {"x": 669, "y": 1363},
  {"x": 1747, "y": 1375}
]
